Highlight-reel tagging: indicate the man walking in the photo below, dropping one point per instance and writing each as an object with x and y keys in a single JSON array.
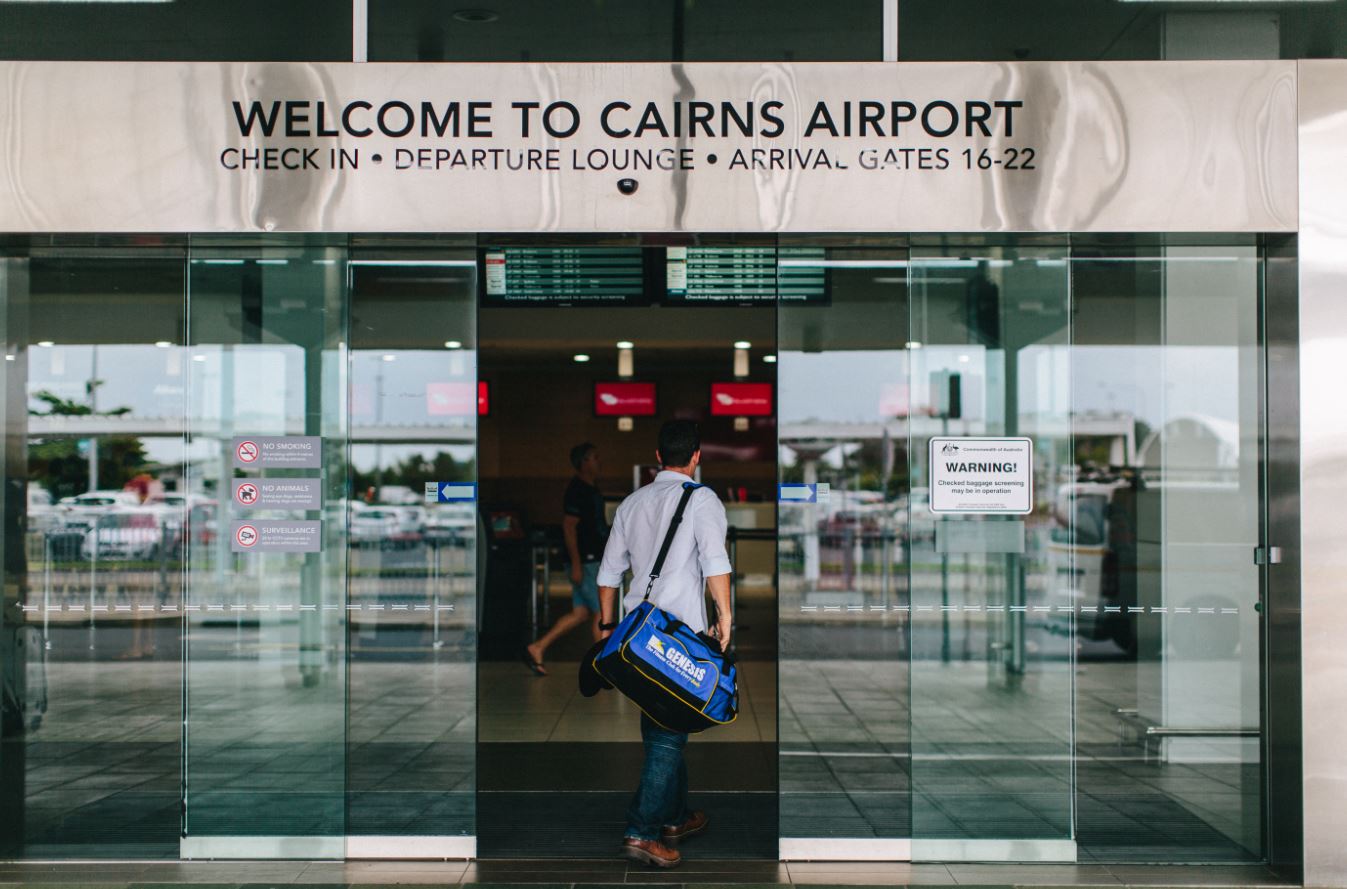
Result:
[
  {"x": 659, "y": 814},
  {"x": 585, "y": 529}
]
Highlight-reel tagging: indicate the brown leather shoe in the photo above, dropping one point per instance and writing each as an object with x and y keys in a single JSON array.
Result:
[
  {"x": 651, "y": 852},
  {"x": 695, "y": 824}
]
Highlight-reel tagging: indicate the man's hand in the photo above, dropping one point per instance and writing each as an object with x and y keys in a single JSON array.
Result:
[
  {"x": 721, "y": 632},
  {"x": 719, "y": 585},
  {"x": 577, "y": 572}
]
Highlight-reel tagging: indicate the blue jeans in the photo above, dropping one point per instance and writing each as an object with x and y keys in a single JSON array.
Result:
[{"x": 662, "y": 797}]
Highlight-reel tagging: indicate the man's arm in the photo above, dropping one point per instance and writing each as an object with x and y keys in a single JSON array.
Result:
[
  {"x": 616, "y": 561},
  {"x": 720, "y": 594},
  {"x": 607, "y": 609},
  {"x": 710, "y": 525},
  {"x": 570, "y": 530}
]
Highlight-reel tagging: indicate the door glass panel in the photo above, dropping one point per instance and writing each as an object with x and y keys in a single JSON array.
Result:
[
  {"x": 992, "y": 655},
  {"x": 843, "y": 537},
  {"x": 1166, "y": 503},
  {"x": 265, "y": 672},
  {"x": 411, "y": 552},
  {"x": 94, "y": 534}
]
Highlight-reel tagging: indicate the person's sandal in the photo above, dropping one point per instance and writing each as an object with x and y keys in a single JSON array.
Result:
[{"x": 534, "y": 667}]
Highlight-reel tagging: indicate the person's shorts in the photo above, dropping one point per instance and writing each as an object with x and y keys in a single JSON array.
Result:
[{"x": 586, "y": 592}]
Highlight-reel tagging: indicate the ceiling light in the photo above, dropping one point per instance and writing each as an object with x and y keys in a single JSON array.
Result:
[
  {"x": 452, "y": 344},
  {"x": 582, "y": 358},
  {"x": 770, "y": 359},
  {"x": 46, "y": 344},
  {"x": 162, "y": 344},
  {"x": 476, "y": 16},
  {"x": 743, "y": 344},
  {"x": 912, "y": 344},
  {"x": 964, "y": 359},
  {"x": 625, "y": 344},
  {"x": 198, "y": 357},
  {"x": 390, "y": 358}
]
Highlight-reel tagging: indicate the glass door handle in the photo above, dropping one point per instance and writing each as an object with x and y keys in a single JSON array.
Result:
[{"x": 1267, "y": 555}]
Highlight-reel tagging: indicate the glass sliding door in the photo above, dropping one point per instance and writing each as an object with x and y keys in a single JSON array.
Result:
[
  {"x": 94, "y": 508},
  {"x": 411, "y": 617},
  {"x": 1156, "y": 537},
  {"x": 844, "y": 535},
  {"x": 265, "y": 739},
  {"x": 992, "y": 653}
]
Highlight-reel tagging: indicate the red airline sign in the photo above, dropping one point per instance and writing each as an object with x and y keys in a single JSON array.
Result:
[
  {"x": 624, "y": 399},
  {"x": 741, "y": 399},
  {"x": 449, "y": 399}
]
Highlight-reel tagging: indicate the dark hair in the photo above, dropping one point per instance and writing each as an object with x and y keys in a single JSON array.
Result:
[
  {"x": 580, "y": 452},
  {"x": 678, "y": 441}
]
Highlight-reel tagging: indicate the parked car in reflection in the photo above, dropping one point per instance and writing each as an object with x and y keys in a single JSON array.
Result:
[
  {"x": 373, "y": 526},
  {"x": 131, "y": 535},
  {"x": 1092, "y": 558},
  {"x": 81, "y": 510},
  {"x": 449, "y": 521},
  {"x": 42, "y": 514}
]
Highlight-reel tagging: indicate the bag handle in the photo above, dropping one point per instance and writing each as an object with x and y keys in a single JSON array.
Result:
[{"x": 688, "y": 488}]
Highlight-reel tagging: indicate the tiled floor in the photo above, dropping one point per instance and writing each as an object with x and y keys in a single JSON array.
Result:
[
  {"x": 612, "y": 871},
  {"x": 871, "y": 739}
]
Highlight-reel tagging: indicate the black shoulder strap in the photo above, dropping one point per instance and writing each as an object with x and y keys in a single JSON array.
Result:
[{"x": 688, "y": 488}]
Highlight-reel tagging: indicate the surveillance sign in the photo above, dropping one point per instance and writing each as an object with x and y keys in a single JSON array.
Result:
[
  {"x": 982, "y": 476},
  {"x": 278, "y": 493},
  {"x": 277, "y": 537}
]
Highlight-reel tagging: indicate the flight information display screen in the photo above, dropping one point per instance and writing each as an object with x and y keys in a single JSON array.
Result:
[
  {"x": 744, "y": 275},
  {"x": 563, "y": 276}
]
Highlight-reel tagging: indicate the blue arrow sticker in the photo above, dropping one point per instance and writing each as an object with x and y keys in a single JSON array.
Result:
[
  {"x": 797, "y": 493},
  {"x": 457, "y": 492}
]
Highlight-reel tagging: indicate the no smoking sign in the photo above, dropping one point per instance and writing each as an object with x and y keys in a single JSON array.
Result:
[{"x": 247, "y": 451}]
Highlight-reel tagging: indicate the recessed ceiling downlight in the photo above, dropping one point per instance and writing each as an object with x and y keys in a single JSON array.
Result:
[{"x": 476, "y": 16}]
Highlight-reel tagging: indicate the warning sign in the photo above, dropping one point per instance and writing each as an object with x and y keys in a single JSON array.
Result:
[
  {"x": 279, "y": 493},
  {"x": 279, "y": 452},
  {"x": 246, "y": 451},
  {"x": 982, "y": 475},
  {"x": 278, "y": 537},
  {"x": 245, "y": 536}
]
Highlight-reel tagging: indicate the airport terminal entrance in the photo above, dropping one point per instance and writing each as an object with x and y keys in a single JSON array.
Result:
[
  {"x": 1052, "y": 650},
  {"x": 599, "y": 345},
  {"x": 993, "y": 505}
]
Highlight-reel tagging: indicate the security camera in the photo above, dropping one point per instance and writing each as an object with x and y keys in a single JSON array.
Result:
[{"x": 628, "y": 186}]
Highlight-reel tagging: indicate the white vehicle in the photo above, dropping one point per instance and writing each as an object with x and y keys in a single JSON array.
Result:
[
  {"x": 1083, "y": 571},
  {"x": 448, "y": 520},
  {"x": 80, "y": 511},
  {"x": 41, "y": 511},
  {"x": 373, "y": 526},
  {"x": 128, "y": 535}
]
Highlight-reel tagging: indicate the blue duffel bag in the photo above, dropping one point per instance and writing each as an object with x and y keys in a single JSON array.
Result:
[{"x": 679, "y": 678}]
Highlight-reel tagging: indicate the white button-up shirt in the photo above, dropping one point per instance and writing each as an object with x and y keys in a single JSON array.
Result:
[{"x": 697, "y": 551}]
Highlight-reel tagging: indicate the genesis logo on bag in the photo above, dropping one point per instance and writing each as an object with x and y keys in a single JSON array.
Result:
[{"x": 678, "y": 659}]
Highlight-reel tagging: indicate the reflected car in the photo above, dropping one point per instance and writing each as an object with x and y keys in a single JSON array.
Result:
[
  {"x": 449, "y": 521},
  {"x": 1090, "y": 548},
  {"x": 128, "y": 535},
  {"x": 373, "y": 526},
  {"x": 81, "y": 510},
  {"x": 41, "y": 511}
]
